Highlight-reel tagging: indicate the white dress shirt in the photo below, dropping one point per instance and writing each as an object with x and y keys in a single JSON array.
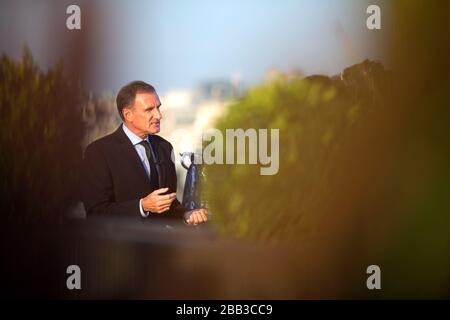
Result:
[{"x": 136, "y": 140}]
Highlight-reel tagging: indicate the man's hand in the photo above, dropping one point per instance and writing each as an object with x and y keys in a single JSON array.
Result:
[
  {"x": 195, "y": 217},
  {"x": 157, "y": 203}
]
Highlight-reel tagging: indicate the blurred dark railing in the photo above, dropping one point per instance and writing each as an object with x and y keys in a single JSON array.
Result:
[{"x": 142, "y": 259}]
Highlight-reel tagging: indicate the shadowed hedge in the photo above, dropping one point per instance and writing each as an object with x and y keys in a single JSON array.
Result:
[{"x": 40, "y": 140}]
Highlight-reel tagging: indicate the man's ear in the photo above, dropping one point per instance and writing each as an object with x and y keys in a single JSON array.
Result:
[{"x": 127, "y": 113}]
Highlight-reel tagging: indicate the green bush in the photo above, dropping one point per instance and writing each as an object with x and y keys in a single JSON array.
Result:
[
  {"x": 40, "y": 140},
  {"x": 314, "y": 115}
]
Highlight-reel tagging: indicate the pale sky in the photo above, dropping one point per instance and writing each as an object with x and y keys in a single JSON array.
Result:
[{"x": 178, "y": 43}]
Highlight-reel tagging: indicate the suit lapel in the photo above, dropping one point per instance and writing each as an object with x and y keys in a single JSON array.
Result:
[{"x": 129, "y": 152}]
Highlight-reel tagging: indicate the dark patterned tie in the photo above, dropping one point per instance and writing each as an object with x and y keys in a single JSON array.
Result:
[{"x": 154, "y": 178}]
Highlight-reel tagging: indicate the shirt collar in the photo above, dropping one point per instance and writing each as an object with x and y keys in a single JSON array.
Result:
[{"x": 135, "y": 139}]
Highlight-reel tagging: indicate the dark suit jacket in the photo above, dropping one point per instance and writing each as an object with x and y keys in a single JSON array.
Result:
[{"x": 113, "y": 178}]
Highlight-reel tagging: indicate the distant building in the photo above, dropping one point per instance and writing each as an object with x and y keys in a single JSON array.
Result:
[{"x": 188, "y": 113}]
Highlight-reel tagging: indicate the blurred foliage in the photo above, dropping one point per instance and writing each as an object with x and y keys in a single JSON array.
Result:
[
  {"x": 40, "y": 140},
  {"x": 364, "y": 167},
  {"x": 314, "y": 115},
  {"x": 418, "y": 250}
]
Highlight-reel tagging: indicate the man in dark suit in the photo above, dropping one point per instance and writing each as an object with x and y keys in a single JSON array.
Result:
[{"x": 131, "y": 172}]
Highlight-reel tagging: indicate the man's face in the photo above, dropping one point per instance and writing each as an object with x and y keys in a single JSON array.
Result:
[{"x": 144, "y": 117}]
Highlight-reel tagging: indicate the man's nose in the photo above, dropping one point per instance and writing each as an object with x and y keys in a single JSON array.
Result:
[{"x": 157, "y": 114}]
